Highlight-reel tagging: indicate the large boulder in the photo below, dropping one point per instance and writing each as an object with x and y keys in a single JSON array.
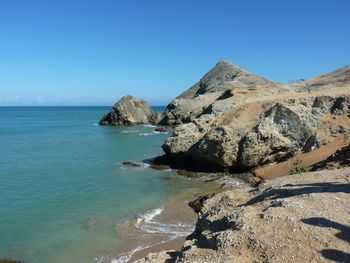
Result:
[
  {"x": 130, "y": 111},
  {"x": 183, "y": 137},
  {"x": 218, "y": 147},
  {"x": 283, "y": 131}
]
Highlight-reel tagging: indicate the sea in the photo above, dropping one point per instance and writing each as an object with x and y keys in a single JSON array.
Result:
[{"x": 65, "y": 195}]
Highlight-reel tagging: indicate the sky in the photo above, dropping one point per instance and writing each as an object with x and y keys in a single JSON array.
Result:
[{"x": 84, "y": 52}]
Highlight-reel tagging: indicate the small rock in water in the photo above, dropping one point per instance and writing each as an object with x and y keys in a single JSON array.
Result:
[
  {"x": 131, "y": 163},
  {"x": 90, "y": 223},
  {"x": 189, "y": 174},
  {"x": 158, "y": 166},
  {"x": 160, "y": 129}
]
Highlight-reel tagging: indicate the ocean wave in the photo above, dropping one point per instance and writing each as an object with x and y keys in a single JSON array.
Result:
[
  {"x": 158, "y": 132},
  {"x": 148, "y": 224},
  {"x": 149, "y": 125},
  {"x": 147, "y": 217},
  {"x": 95, "y": 124},
  {"x": 133, "y": 131},
  {"x": 174, "y": 230},
  {"x": 152, "y": 133},
  {"x": 146, "y": 134}
]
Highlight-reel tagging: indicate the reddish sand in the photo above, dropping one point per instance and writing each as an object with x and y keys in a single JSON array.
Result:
[{"x": 307, "y": 160}]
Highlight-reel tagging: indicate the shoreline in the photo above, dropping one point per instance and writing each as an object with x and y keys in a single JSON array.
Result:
[
  {"x": 239, "y": 225},
  {"x": 176, "y": 215},
  {"x": 173, "y": 245}
]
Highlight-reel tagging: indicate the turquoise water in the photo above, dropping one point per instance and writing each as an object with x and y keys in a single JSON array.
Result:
[{"x": 63, "y": 189}]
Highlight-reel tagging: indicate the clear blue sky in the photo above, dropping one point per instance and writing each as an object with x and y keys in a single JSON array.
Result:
[{"x": 85, "y": 52}]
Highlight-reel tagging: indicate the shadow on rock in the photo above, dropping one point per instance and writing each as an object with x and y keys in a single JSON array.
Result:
[
  {"x": 344, "y": 231},
  {"x": 336, "y": 255},
  {"x": 291, "y": 190},
  {"x": 343, "y": 234}
]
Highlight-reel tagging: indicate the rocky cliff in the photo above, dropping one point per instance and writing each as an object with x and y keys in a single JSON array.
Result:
[
  {"x": 298, "y": 218},
  {"x": 232, "y": 119},
  {"x": 130, "y": 111}
]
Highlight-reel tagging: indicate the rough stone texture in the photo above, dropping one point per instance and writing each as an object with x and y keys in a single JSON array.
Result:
[
  {"x": 298, "y": 218},
  {"x": 130, "y": 111},
  {"x": 183, "y": 138},
  {"x": 256, "y": 122},
  {"x": 219, "y": 146},
  {"x": 280, "y": 134}
]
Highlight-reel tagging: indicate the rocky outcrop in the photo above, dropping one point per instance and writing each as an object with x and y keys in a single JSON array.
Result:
[
  {"x": 130, "y": 111},
  {"x": 239, "y": 225},
  {"x": 256, "y": 122},
  {"x": 183, "y": 138},
  {"x": 224, "y": 76}
]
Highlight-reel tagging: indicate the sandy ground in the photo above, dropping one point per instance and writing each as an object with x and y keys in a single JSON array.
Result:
[
  {"x": 307, "y": 160},
  {"x": 172, "y": 245}
]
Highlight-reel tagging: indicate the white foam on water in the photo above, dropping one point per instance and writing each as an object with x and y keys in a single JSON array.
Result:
[
  {"x": 146, "y": 134},
  {"x": 158, "y": 132},
  {"x": 147, "y": 217},
  {"x": 147, "y": 223},
  {"x": 95, "y": 124},
  {"x": 152, "y": 133},
  {"x": 133, "y": 131},
  {"x": 174, "y": 230},
  {"x": 149, "y": 125}
]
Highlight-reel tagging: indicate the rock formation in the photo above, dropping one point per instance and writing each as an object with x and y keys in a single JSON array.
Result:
[
  {"x": 130, "y": 111},
  {"x": 232, "y": 119}
]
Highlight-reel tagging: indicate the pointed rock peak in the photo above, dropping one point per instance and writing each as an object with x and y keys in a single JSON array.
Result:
[
  {"x": 226, "y": 75},
  {"x": 223, "y": 76},
  {"x": 225, "y": 63}
]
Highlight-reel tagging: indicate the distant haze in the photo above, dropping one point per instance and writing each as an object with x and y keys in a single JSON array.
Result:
[{"x": 93, "y": 52}]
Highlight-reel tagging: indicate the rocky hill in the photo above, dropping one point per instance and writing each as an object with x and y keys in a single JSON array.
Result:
[
  {"x": 232, "y": 119},
  {"x": 222, "y": 77}
]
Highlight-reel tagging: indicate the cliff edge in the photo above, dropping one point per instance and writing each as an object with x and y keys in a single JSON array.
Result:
[{"x": 296, "y": 218}]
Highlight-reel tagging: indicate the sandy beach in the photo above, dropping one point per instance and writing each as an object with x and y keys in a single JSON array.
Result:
[{"x": 172, "y": 245}]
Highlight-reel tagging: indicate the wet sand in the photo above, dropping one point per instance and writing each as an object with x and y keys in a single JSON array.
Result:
[
  {"x": 172, "y": 245},
  {"x": 177, "y": 221}
]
